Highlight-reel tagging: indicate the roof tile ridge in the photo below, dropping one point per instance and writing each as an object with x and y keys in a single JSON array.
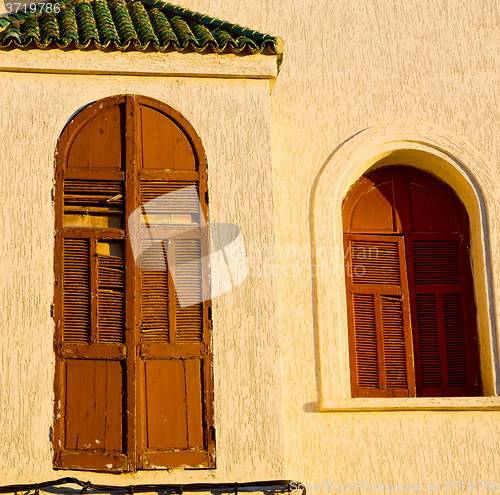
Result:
[{"x": 206, "y": 19}]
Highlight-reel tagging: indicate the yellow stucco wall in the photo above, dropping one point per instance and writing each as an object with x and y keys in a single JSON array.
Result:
[{"x": 348, "y": 66}]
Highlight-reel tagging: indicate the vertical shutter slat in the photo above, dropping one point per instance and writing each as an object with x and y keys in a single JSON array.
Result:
[
  {"x": 110, "y": 299},
  {"x": 76, "y": 290},
  {"x": 428, "y": 337},
  {"x": 456, "y": 345},
  {"x": 366, "y": 340},
  {"x": 154, "y": 295},
  {"x": 188, "y": 281},
  {"x": 394, "y": 342}
]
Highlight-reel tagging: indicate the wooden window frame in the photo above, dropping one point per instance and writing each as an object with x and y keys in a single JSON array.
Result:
[
  {"x": 131, "y": 350},
  {"x": 402, "y": 231}
]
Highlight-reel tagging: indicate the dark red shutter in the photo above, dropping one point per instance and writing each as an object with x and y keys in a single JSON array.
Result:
[
  {"x": 429, "y": 267},
  {"x": 436, "y": 232}
]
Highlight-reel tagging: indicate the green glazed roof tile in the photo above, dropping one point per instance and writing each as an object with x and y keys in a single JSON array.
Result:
[
  {"x": 162, "y": 28},
  {"x": 68, "y": 26},
  {"x": 49, "y": 28},
  {"x": 134, "y": 24},
  {"x": 104, "y": 23},
  {"x": 87, "y": 28}
]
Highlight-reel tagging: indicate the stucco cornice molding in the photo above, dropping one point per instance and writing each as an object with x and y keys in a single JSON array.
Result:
[{"x": 94, "y": 62}]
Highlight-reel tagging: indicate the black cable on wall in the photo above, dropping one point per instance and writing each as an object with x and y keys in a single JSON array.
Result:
[{"x": 170, "y": 489}]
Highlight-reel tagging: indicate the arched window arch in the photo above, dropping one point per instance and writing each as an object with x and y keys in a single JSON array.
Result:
[
  {"x": 412, "y": 327},
  {"x": 133, "y": 379}
]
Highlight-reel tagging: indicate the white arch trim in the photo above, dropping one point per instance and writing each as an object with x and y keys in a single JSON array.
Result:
[{"x": 454, "y": 161}]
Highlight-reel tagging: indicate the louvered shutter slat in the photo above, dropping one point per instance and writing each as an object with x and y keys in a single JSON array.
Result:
[
  {"x": 111, "y": 299},
  {"x": 394, "y": 348},
  {"x": 456, "y": 344},
  {"x": 154, "y": 295},
  {"x": 76, "y": 290},
  {"x": 428, "y": 340},
  {"x": 375, "y": 262},
  {"x": 436, "y": 262},
  {"x": 188, "y": 281},
  {"x": 366, "y": 340}
]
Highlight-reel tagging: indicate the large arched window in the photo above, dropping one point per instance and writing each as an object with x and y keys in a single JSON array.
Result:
[
  {"x": 412, "y": 324},
  {"x": 133, "y": 369}
]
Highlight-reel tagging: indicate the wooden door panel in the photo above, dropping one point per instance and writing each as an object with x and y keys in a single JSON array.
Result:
[
  {"x": 94, "y": 406},
  {"x": 166, "y": 405},
  {"x": 99, "y": 145},
  {"x": 174, "y": 413},
  {"x": 429, "y": 212},
  {"x": 164, "y": 143}
]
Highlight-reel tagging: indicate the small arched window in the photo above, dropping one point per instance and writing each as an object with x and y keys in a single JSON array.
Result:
[
  {"x": 412, "y": 324},
  {"x": 133, "y": 380}
]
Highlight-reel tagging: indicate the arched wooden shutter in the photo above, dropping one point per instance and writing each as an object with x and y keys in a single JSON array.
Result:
[
  {"x": 133, "y": 371},
  {"x": 381, "y": 353},
  {"x": 444, "y": 330},
  {"x": 409, "y": 288},
  {"x": 173, "y": 349}
]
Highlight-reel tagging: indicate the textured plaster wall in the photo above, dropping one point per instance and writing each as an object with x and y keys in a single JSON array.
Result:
[
  {"x": 349, "y": 66},
  {"x": 232, "y": 119}
]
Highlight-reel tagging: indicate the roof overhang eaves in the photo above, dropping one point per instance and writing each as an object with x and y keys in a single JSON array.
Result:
[{"x": 135, "y": 63}]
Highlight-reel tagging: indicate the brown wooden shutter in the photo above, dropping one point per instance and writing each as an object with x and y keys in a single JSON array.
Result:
[
  {"x": 174, "y": 357},
  {"x": 443, "y": 326},
  {"x": 381, "y": 341},
  {"x": 173, "y": 347},
  {"x": 434, "y": 274},
  {"x": 90, "y": 293},
  {"x": 133, "y": 372}
]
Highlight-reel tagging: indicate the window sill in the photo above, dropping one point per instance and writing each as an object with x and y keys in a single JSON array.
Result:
[{"x": 411, "y": 404}]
